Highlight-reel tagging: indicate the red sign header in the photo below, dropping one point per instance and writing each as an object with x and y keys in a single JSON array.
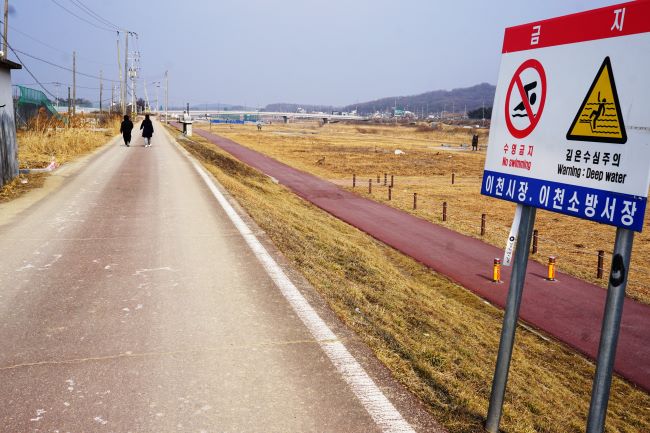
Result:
[{"x": 608, "y": 22}]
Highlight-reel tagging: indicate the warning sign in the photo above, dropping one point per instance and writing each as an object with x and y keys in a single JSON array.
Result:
[
  {"x": 570, "y": 129},
  {"x": 525, "y": 98},
  {"x": 599, "y": 117}
]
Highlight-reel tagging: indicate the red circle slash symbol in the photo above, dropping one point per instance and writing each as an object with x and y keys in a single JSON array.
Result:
[{"x": 521, "y": 119}]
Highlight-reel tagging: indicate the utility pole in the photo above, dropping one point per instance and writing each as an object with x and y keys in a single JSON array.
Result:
[
  {"x": 157, "y": 85},
  {"x": 101, "y": 91},
  {"x": 69, "y": 106},
  {"x": 6, "y": 27},
  {"x": 133, "y": 74},
  {"x": 119, "y": 72},
  {"x": 74, "y": 82},
  {"x": 147, "y": 106},
  {"x": 483, "y": 119},
  {"x": 56, "y": 86},
  {"x": 110, "y": 109},
  {"x": 134, "y": 108},
  {"x": 166, "y": 96},
  {"x": 126, "y": 68}
]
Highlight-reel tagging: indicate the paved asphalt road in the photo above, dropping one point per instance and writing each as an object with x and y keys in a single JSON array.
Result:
[
  {"x": 131, "y": 303},
  {"x": 569, "y": 309}
]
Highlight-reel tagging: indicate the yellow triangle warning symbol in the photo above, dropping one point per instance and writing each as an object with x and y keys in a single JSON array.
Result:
[{"x": 599, "y": 117}]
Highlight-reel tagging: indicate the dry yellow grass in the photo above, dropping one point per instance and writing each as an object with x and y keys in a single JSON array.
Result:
[
  {"x": 37, "y": 147},
  {"x": 46, "y": 140},
  {"x": 20, "y": 185},
  {"x": 426, "y": 168},
  {"x": 436, "y": 337}
]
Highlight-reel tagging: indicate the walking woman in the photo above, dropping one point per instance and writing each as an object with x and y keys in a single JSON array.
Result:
[
  {"x": 147, "y": 130},
  {"x": 125, "y": 129}
]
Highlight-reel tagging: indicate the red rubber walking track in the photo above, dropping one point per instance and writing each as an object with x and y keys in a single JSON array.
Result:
[{"x": 569, "y": 309}]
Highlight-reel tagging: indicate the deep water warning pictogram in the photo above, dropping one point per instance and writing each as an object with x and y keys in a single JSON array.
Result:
[{"x": 600, "y": 118}]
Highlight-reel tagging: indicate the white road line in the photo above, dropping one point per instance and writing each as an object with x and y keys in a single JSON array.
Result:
[{"x": 373, "y": 400}]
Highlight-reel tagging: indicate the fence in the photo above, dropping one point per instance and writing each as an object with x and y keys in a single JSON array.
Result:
[
  {"x": 543, "y": 246},
  {"x": 28, "y": 102}
]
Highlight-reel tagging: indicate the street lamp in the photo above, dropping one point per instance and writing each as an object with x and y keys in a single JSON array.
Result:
[{"x": 157, "y": 84}]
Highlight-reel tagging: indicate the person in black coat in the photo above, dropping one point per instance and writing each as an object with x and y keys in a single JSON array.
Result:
[
  {"x": 125, "y": 129},
  {"x": 147, "y": 130}
]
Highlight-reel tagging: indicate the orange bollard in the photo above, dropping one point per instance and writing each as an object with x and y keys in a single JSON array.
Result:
[
  {"x": 496, "y": 271},
  {"x": 551, "y": 269}
]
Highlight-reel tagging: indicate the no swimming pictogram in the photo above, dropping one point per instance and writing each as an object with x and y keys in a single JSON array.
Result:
[{"x": 524, "y": 107}]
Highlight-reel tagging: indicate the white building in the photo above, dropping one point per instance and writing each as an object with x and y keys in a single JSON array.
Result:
[{"x": 8, "y": 145}]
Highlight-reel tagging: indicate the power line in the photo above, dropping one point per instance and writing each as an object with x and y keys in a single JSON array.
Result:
[
  {"x": 93, "y": 14},
  {"x": 65, "y": 68},
  {"x": 55, "y": 83},
  {"x": 81, "y": 18},
  {"x": 26, "y": 68},
  {"x": 54, "y": 48}
]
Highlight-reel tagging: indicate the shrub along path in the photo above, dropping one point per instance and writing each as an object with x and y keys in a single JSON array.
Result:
[{"x": 569, "y": 309}]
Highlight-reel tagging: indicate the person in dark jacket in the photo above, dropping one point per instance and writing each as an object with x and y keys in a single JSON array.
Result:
[
  {"x": 147, "y": 130},
  {"x": 125, "y": 129}
]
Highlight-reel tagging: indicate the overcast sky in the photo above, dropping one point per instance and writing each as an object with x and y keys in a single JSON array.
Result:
[{"x": 257, "y": 52}]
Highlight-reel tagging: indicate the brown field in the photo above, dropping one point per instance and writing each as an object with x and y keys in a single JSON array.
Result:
[
  {"x": 37, "y": 145},
  {"x": 46, "y": 140},
  {"x": 437, "y": 338},
  {"x": 336, "y": 151}
]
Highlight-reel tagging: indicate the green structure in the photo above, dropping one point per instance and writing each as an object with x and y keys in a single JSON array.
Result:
[{"x": 28, "y": 101}]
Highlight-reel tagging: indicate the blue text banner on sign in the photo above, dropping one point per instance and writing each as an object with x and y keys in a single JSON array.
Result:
[{"x": 606, "y": 207}]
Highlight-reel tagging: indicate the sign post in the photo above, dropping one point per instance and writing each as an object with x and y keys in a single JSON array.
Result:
[
  {"x": 610, "y": 329},
  {"x": 515, "y": 292},
  {"x": 571, "y": 134}
]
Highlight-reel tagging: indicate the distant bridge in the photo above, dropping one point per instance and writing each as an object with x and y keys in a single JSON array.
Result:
[{"x": 325, "y": 117}]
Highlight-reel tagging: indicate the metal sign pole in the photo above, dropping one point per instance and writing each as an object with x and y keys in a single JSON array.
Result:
[
  {"x": 610, "y": 330},
  {"x": 515, "y": 292}
]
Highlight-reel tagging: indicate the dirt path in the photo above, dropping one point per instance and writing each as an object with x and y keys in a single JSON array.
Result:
[{"x": 569, "y": 309}]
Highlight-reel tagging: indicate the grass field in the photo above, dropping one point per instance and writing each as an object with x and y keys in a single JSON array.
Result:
[
  {"x": 438, "y": 339},
  {"x": 338, "y": 151},
  {"x": 38, "y": 146}
]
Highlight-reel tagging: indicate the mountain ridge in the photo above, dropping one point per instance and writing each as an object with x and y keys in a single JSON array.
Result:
[{"x": 457, "y": 100}]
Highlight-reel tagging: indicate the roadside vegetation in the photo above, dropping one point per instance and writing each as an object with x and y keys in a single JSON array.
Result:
[
  {"x": 437, "y": 338},
  {"x": 46, "y": 139},
  {"x": 337, "y": 151}
]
